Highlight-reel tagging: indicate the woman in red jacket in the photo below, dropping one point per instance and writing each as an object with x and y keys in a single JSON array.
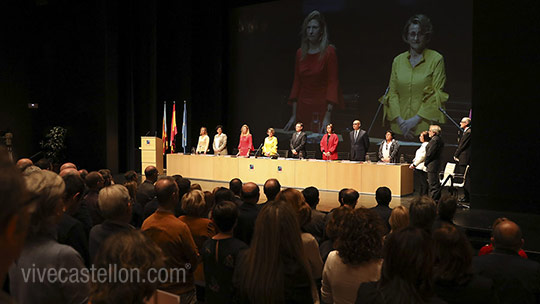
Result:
[{"x": 329, "y": 144}]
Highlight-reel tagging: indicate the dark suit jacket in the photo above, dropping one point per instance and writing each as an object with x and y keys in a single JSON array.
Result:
[
  {"x": 360, "y": 146},
  {"x": 463, "y": 151},
  {"x": 247, "y": 214},
  {"x": 71, "y": 232},
  {"x": 394, "y": 150},
  {"x": 316, "y": 225},
  {"x": 298, "y": 143},
  {"x": 516, "y": 280},
  {"x": 433, "y": 154},
  {"x": 384, "y": 212},
  {"x": 101, "y": 232},
  {"x": 145, "y": 193}
]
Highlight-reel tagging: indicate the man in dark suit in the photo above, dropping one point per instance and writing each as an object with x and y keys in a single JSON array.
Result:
[
  {"x": 298, "y": 142},
  {"x": 359, "y": 142},
  {"x": 146, "y": 192},
  {"x": 516, "y": 280},
  {"x": 247, "y": 213},
  {"x": 383, "y": 196},
  {"x": 463, "y": 154},
  {"x": 433, "y": 161}
]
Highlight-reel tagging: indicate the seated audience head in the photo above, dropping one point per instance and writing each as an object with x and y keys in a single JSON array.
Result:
[
  {"x": 73, "y": 193},
  {"x": 47, "y": 189},
  {"x": 83, "y": 173},
  {"x": 44, "y": 164},
  {"x": 453, "y": 255},
  {"x": 115, "y": 203},
  {"x": 167, "y": 193},
  {"x": 67, "y": 165},
  {"x": 407, "y": 269},
  {"x": 223, "y": 194},
  {"x": 224, "y": 216},
  {"x": 132, "y": 189},
  {"x": 336, "y": 220},
  {"x": 383, "y": 196},
  {"x": 195, "y": 187},
  {"x": 350, "y": 198},
  {"x": 128, "y": 250},
  {"x": 14, "y": 214},
  {"x": 94, "y": 181},
  {"x": 210, "y": 202},
  {"x": 447, "y": 208},
  {"x": 277, "y": 238},
  {"x": 107, "y": 177},
  {"x": 235, "y": 185},
  {"x": 250, "y": 193},
  {"x": 193, "y": 203},
  {"x": 311, "y": 195},
  {"x": 340, "y": 195},
  {"x": 184, "y": 186},
  {"x": 422, "y": 212},
  {"x": 271, "y": 189},
  {"x": 399, "y": 218},
  {"x": 298, "y": 203},
  {"x": 360, "y": 237},
  {"x": 151, "y": 174},
  {"x": 507, "y": 235},
  {"x": 24, "y": 163},
  {"x": 131, "y": 175},
  {"x": 30, "y": 169}
]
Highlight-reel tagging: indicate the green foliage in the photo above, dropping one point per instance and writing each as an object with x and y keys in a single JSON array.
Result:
[{"x": 54, "y": 144}]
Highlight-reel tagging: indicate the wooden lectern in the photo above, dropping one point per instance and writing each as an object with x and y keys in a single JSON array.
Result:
[{"x": 151, "y": 153}]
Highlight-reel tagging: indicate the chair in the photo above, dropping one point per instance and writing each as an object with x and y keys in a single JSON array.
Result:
[
  {"x": 343, "y": 155},
  {"x": 447, "y": 174},
  {"x": 372, "y": 156},
  {"x": 283, "y": 153},
  {"x": 310, "y": 154}
]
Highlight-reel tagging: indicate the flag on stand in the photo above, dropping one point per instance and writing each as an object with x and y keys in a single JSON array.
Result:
[
  {"x": 174, "y": 131},
  {"x": 164, "y": 134},
  {"x": 184, "y": 128}
]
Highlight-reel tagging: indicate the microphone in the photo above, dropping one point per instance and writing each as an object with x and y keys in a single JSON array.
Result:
[
  {"x": 257, "y": 152},
  {"x": 147, "y": 133}
]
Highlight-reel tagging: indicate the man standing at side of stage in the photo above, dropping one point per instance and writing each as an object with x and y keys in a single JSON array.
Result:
[
  {"x": 433, "y": 161},
  {"x": 359, "y": 142},
  {"x": 463, "y": 154},
  {"x": 298, "y": 142}
]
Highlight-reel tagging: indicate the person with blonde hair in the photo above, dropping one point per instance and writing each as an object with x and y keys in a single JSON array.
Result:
[
  {"x": 315, "y": 91},
  {"x": 204, "y": 142},
  {"x": 270, "y": 144},
  {"x": 399, "y": 218},
  {"x": 245, "y": 145}
]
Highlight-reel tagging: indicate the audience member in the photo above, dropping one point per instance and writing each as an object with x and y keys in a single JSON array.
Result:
[
  {"x": 275, "y": 269},
  {"x": 115, "y": 205},
  {"x": 14, "y": 216},
  {"x": 24, "y": 163},
  {"x": 271, "y": 188},
  {"x": 517, "y": 280},
  {"x": 195, "y": 187},
  {"x": 407, "y": 270},
  {"x": 341, "y": 193},
  {"x": 42, "y": 251},
  {"x": 332, "y": 231},
  {"x": 220, "y": 254},
  {"x": 454, "y": 279},
  {"x": 44, "y": 164},
  {"x": 383, "y": 196},
  {"x": 201, "y": 228},
  {"x": 71, "y": 231},
  {"x": 235, "y": 185},
  {"x": 223, "y": 194},
  {"x": 247, "y": 213},
  {"x": 184, "y": 186},
  {"x": 128, "y": 250},
  {"x": 137, "y": 211},
  {"x": 107, "y": 177},
  {"x": 146, "y": 192},
  {"x": 68, "y": 166},
  {"x": 30, "y": 169},
  {"x": 487, "y": 249},
  {"x": 422, "y": 213},
  {"x": 399, "y": 218},
  {"x": 131, "y": 176},
  {"x": 175, "y": 240},
  {"x": 95, "y": 182},
  {"x": 303, "y": 211},
  {"x": 316, "y": 224},
  {"x": 83, "y": 173},
  {"x": 68, "y": 171},
  {"x": 350, "y": 198},
  {"x": 210, "y": 200},
  {"x": 446, "y": 209},
  {"x": 357, "y": 258}
]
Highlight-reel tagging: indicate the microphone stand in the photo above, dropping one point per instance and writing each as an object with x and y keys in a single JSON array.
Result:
[
  {"x": 378, "y": 110},
  {"x": 257, "y": 152},
  {"x": 448, "y": 116}
]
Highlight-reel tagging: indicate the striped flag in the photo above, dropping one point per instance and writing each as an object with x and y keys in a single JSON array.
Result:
[
  {"x": 174, "y": 131},
  {"x": 164, "y": 134},
  {"x": 184, "y": 128}
]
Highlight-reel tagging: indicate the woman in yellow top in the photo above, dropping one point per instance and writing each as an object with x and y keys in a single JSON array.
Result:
[
  {"x": 416, "y": 82},
  {"x": 270, "y": 144},
  {"x": 204, "y": 141}
]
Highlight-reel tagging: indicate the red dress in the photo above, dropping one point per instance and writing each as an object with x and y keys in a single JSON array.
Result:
[
  {"x": 329, "y": 146},
  {"x": 315, "y": 85},
  {"x": 245, "y": 145}
]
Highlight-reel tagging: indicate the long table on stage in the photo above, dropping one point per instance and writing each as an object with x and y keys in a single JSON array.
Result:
[{"x": 325, "y": 175}]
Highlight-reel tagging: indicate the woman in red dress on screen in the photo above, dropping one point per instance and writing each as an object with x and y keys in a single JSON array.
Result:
[
  {"x": 246, "y": 143},
  {"x": 329, "y": 144},
  {"x": 315, "y": 90}
]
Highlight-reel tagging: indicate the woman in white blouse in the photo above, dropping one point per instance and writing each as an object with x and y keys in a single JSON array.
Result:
[
  {"x": 389, "y": 149},
  {"x": 220, "y": 142},
  {"x": 420, "y": 170},
  {"x": 204, "y": 141}
]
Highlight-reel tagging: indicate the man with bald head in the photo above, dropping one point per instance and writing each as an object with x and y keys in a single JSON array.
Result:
[
  {"x": 146, "y": 191},
  {"x": 359, "y": 142},
  {"x": 247, "y": 213},
  {"x": 174, "y": 238},
  {"x": 516, "y": 280},
  {"x": 67, "y": 165},
  {"x": 24, "y": 163}
]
